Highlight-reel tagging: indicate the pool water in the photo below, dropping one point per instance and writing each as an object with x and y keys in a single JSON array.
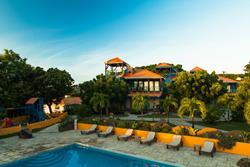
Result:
[{"x": 84, "y": 156}]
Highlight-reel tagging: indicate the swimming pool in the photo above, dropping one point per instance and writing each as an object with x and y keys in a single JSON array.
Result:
[{"x": 76, "y": 155}]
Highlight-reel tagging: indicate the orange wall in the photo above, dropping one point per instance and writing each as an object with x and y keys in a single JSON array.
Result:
[
  {"x": 49, "y": 122},
  {"x": 11, "y": 130},
  {"x": 188, "y": 141}
]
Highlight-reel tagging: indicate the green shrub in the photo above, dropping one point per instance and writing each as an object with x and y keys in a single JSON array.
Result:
[
  {"x": 226, "y": 141},
  {"x": 156, "y": 127},
  {"x": 66, "y": 124},
  {"x": 245, "y": 136},
  {"x": 244, "y": 162},
  {"x": 166, "y": 128},
  {"x": 122, "y": 124},
  {"x": 82, "y": 110},
  {"x": 183, "y": 131}
]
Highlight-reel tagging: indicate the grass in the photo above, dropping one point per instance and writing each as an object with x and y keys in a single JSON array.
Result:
[
  {"x": 158, "y": 116},
  {"x": 228, "y": 126}
]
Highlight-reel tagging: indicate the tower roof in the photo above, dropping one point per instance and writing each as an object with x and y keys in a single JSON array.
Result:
[{"x": 115, "y": 61}]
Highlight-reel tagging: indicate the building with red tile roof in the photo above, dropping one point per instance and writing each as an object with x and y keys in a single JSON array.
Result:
[
  {"x": 72, "y": 101},
  {"x": 142, "y": 74},
  {"x": 227, "y": 80}
]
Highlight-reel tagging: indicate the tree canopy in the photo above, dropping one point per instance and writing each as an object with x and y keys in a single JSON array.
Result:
[
  {"x": 17, "y": 79},
  {"x": 201, "y": 85},
  {"x": 21, "y": 81},
  {"x": 54, "y": 85},
  {"x": 116, "y": 90}
]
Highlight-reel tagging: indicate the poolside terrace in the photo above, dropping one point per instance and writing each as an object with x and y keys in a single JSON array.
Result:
[{"x": 13, "y": 148}]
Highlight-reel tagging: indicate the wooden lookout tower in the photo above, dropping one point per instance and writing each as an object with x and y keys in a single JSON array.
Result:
[{"x": 116, "y": 67}]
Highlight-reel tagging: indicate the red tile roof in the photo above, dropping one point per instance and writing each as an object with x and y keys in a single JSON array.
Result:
[
  {"x": 115, "y": 60},
  {"x": 164, "y": 65},
  {"x": 196, "y": 69},
  {"x": 32, "y": 100},
  {"x": 150, "y": 94},
  {"x": 142, "y": 74},
  {"x": 227, "y": 80},
  {"x": 72, "y": 100}
]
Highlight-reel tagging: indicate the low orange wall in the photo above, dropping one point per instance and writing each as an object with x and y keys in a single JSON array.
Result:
[
  {"x": 10, "y": 130},
  {"x": 188, "y": 141},
  {"x": 46, "y": 123}
]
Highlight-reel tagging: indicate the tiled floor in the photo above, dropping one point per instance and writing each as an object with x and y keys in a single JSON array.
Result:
[{"x": 14, "y": 148}]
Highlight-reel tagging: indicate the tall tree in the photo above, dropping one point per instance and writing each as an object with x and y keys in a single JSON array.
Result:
[
  {"x": 117, "y": 90},
  {"x": 201, "y": 85},
  {"x": 138, "y": 103},
  {"x": 247, "y": 111},
  {"x": 241, "y": 98},
  {"x": 55, "y": 84},
  {"x": 169, "y": 102},
  {"x": 99, "y": 102},
  {"x": 16, "y": 79},
  {"x": 192, "y": 107},
  {"x": 247, "y": 69}
]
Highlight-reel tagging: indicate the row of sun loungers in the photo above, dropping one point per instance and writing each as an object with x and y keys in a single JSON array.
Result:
[{"x": 176, "y": 142}]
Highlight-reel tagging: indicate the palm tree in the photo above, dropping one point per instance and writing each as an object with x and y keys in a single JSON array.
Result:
[
  {"x": 99, "y": 101},
  {"x": 168, "y": 102},
  {"x": 191, "y": 107},
  {"x": 138, "y": 103}
]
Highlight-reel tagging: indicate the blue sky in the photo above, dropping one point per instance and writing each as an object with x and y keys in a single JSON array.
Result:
[{"x": 80, "y": 35}]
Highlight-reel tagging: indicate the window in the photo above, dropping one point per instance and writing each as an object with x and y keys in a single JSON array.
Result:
[
  {"x": 145, "y": 86},
  {"x": 140, "y": 86},
  {"x": 135, "y": 85},
  {"x": 151, "y": 86},
  {"x": 157, "y": 86}
]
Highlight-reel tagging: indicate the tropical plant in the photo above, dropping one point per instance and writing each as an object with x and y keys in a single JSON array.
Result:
[
  {"x": 99, "y": 102},
  {"x": 213, "y": 113},
  {"x": 245, "y": 136},
  {"x": 192, "y": 107},
  {"x": 169, "y": 102},
  {"x": 138, "y": 103}
]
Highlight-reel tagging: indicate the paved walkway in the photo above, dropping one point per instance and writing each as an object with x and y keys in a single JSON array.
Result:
[
  {"x": 14, "y": 148},
  {"x": 176, "y": 121}
]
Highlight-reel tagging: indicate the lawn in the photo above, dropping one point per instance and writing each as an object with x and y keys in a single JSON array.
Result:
[
  {"x": 229, "y": 126},
  {"x": 159, "y": 116}
]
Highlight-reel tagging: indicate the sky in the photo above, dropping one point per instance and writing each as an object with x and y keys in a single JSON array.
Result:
[{"x": 80, "y": 35}]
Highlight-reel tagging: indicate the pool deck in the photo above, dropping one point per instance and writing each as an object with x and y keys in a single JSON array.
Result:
[{"x": 13, "y": 148}]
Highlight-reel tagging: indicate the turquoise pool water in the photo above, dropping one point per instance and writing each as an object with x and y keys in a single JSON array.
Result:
[{"x": 84, "y": 156}]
